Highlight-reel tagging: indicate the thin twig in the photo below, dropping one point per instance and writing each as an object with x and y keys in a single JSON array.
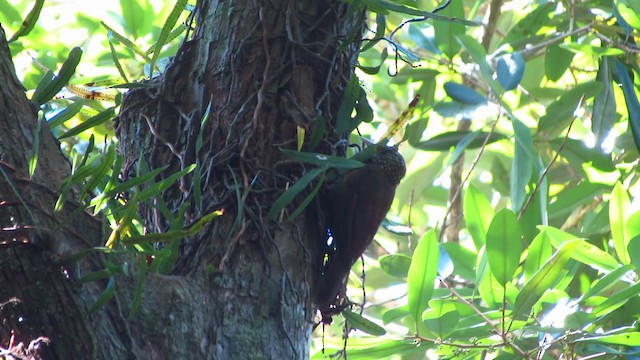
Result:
[
  {"x": 473, "y": 165},
  {"x": 546, "y": 169}
]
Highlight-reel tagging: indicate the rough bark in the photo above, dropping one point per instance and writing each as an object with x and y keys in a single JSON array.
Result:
[
  {"x": 241, "y": 287},
  {"x": 39, "y": 301}
]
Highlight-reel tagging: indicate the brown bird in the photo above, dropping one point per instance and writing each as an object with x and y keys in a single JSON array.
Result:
[{"x": 354, "y": 207}]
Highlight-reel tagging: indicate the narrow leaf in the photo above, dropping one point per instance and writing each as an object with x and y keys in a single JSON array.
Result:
[
  {"x": 46, "y": 90},
  {"x": 619, "y": 206},
  {"x": 106, "y": 295},
  {"x": 93, "y": 121},
  {"x": 169, "y": 23},
  {"x": 542, "y": 280},
  {"x": 361, "y": 323},
  {"x": 422, "y": 274},
  {"x": 29, "y": 22},
  {"x": 287, "y": 197},
  {"x": 323, "y": 160}
]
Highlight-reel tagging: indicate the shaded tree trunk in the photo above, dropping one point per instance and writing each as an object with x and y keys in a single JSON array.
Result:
[{"x": 259, "y": 73}]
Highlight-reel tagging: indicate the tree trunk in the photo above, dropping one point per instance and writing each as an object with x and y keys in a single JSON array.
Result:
[{"x": 251, "y": 77}]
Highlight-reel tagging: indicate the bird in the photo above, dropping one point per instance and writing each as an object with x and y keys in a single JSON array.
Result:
[{"x": 354, "y": 207}]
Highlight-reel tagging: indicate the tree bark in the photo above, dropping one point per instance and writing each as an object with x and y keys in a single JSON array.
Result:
[{"x": 258, "y": 74}]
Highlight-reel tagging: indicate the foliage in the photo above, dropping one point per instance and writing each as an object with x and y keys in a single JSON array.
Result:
[
  {"x": 539, "y": 110},
  {"x": 80, "y": 103},
  {"x": 545, "y": 261}
]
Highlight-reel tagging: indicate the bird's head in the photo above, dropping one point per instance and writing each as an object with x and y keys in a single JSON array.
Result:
[{"x": 390, "y": 162}]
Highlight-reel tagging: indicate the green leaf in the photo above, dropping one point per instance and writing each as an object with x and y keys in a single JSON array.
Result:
[
  {"x": 395, "y": 264},
  {"x": 632, "y": 226},
  {"x": 9, "y": 14},
  {"x": 617, "y": 300},
  {"x": 424, "y": 41},
  {"x": 29, "y": 22},
  {"x": 446, "y": 32},
  {"x": 589, "y": 49},
  {"x": 351, "y": 93},
  {"x": 539, "y": 252},
  {"x": 112, "y": 34},
  {"x": 629, "y": 11},
  {"x": 287, "y": 197},
  {"x": 576, "y": 152},
  {"x": 463, "y": 94},
  {"x": 126, "y": 186},
  {"x": 604, "y": 113},
  {"x": 522, "y": 164},
  {"x": 106, "y": 295},
  {"x": 441, "y": 318},
  {"x": 33, "y": 159},
  {"x": 395, "y": 314},
  {"x": 504, "y": 245},
  {"x": 491, "y": 291},
  {"x": 137, "y": 16},
  {"x": 422, "y": 274},
  {"x": 570, "y": 198},
  {"x": 169, "y": 23},
  {"x": 67, "y": 113},
  {"x": 619, "y": 206},
  {"x": 606, "y": 282},
  {"x": 634, "y": 251},
  {"x": 412, "y": 11},
  {"x": 560, "y": 112},
  {"x": 323, "y": 160},
  {"x": 478, "y": 213},
  {"x": 626, "y": 339},
  {"x": 583, "y": 252},
  {"x": 479, "y": 55},
  {"x": 93, "y": 121},
  {"x": 509, "y": 70},
  {"x": 163, "y": 184},
  {"x": 381, "y": 26},
  {"x": 140, "y": 282},
  {"x": 542, "y": 280},
  {"x": 470, "y": 139},
  {"x": 384, "y": 350},
  {"x": 50, "y": 86},
  {"x": 307, "y": 200},
  {"x": 556, "y": 61},
  {"x": 361, "y": 323},
  {"x": 530, "y": 24}
]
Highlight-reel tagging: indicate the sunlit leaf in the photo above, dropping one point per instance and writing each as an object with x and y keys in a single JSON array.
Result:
[
  {"x": 542, "y": 280},
  {"x": 361, "y": 323},
  {"x": 49, "y": 87},
  {"x": 441, "y": 318},
  {"x": 539, "y": 251},
  {"x": 478, "y": 214},
  {"x": 583, "y": 251},
  {"x": 504, "y": 245},
  {"x": 619, "y": 206},
  {"x": 422, "y": 274},
  {"x": 29, "y": 22}
]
